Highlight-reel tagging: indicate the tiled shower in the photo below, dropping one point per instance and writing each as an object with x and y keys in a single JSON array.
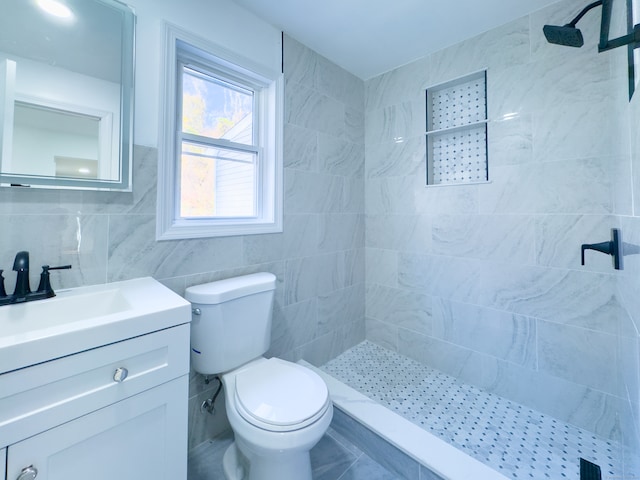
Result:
[{"x": 482, "y": 282}]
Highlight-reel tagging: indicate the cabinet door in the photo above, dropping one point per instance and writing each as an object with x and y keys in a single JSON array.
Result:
[{"x": 144, "y": 436}]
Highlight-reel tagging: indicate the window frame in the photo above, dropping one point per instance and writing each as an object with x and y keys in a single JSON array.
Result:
[{"x": 269, "y": 110}]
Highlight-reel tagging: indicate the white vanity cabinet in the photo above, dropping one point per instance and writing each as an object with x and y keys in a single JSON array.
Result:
[{"x": 114, "y": 412}]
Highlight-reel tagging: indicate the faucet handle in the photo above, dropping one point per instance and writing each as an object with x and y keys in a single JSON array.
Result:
[{"x": 45, "y": 284}]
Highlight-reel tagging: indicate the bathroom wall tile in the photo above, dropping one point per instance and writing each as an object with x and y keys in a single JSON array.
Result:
[
  {"x": 510, "y": 92},
  {"x": 299, "y": 238},
  {"x": 293, "y": 325},
  {"x": 447, "y": 199},
  {"x": 386, "y": 159},
  {"x": 354, "y": 125},
  {"x": 133, "y": 251},
  {"x": 581, "y": 406},
  {"x": 312, "y": 193},
  {"x": 462, "y": 363},
  {"x": 336, "y": 82},
  {"x": 77, "y": 240},
  {"x": 634, "y": 115},
  {"x": 354, "y": 332},
  {"x": 340, "y": 157},
  {"x": 555, "y": 135},
  {"x": 313, "y": 110},
  {"x": 339, "y": 308},
  {"x": 510, "y": 140},
  {"x": 504, "y": 335},
  {"x": 403, "y": 121},
  {"x": 381, "y": 266},
  {"x": 505, "y": 238},
  {"x": 572, "y": 186},
  {"x": 482, "y": 51},
  {"x": 382, "y": 333},
  {"x": 175, "y": 284},
  {"x": 406, "y": 309},
  {"x": 342, "y": 231},
  {"x": 300, "y": 63},
  {"x": 300, "y": 148},
  {"x": 390, "y": 195},
  {"x": 628, "y": 282},
  {"x": 584, "y": 299},
  {"x": 354, "y": 268},
  {"x": 558, "y": 239},
  {"x": 322, "y": 349},
  {"x": 406, "y": 83},
  {"x": 579, "y": 355},
  {"x": 142, "y": 198},
  {"x": 628, "y": 375},
  {"x": 409, "y": 233},
  {"x": 309, "y": 277},
  {"x": 353, "y": 195}
]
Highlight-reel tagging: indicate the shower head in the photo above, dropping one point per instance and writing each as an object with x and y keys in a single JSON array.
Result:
[{"x": 566, "y": 35}]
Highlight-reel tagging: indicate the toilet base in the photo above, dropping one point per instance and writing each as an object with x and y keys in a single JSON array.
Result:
[
  {"x": 231, "y": 466},
  {"x": 294, "y": 466}
]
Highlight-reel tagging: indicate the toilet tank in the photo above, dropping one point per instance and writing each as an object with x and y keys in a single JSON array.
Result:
[{"x": 231, "y": 321}]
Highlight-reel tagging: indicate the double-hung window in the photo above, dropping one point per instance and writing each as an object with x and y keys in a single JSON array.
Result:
[{"x": 221, "y": 166}]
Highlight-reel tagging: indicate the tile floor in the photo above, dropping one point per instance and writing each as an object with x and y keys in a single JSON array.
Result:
[
  {"x": 513, "y": 439},
  {"x": 333, "y": 458}
]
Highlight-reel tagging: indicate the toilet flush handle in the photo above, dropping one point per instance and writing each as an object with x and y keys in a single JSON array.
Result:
[{"x": 196, "y": 311}]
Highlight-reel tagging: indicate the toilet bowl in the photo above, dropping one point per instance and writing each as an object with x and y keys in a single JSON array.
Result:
[{"x": 278, "y": 410}]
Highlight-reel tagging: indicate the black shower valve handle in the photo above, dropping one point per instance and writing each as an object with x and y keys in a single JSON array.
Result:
[
  {"x": 612, "y": 247},
  {"x": 604, "y": 247}
]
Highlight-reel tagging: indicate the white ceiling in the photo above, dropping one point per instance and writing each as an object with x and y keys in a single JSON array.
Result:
[{"x": 370, "y": 37}]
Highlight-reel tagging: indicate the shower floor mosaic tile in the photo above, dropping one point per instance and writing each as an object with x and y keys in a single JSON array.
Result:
[{"x": 513, "y": 439}]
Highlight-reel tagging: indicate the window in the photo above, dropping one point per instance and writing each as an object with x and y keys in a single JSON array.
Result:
[{"x": 221, "y": 162}]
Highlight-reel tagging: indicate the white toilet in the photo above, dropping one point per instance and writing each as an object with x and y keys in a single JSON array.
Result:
[{"x": 278, "y": 410}]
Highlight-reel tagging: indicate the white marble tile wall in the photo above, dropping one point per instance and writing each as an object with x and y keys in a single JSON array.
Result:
[
  {"x": 484, "y": 282},
  {"x": 318, "y": 259}
]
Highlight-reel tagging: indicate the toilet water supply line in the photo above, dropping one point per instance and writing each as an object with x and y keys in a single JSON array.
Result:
[{"x": 208, "y": 405}]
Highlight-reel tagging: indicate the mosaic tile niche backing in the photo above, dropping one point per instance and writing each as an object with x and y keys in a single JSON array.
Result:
[{"x": 457, "y": 131}]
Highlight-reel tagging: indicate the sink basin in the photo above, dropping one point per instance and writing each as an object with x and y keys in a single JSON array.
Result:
[{"x": 82, "y": 318}]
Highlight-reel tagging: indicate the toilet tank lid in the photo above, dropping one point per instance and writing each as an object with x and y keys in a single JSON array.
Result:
[{"x": 230, "y": 288}]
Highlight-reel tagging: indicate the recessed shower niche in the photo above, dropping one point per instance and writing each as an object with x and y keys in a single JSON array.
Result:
[{"x": 457, "y": 131}]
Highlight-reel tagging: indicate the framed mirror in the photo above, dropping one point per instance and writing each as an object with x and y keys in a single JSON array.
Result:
[{"x": 66, "y": 94}]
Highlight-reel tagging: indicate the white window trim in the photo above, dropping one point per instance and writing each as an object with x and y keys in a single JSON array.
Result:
[{"x": 270, "y": 213}]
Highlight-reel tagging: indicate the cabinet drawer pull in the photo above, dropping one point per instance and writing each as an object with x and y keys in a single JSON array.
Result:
[
  {"x": 28, "y": 473},
  {"x": 120, "y": 374}
]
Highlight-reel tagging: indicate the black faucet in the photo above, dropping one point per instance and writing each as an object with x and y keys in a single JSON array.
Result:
[
  {"x": 22, "y": 292},
  {"x": 21, "y": 265}
]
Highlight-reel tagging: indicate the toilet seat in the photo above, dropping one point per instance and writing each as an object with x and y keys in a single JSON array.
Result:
[{"x": 280, "y": 396}]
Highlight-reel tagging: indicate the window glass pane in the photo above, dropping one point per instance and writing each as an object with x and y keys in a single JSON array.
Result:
[
  {"x": 216, "y": 182},
  {"x": 216, "y": 109}
]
